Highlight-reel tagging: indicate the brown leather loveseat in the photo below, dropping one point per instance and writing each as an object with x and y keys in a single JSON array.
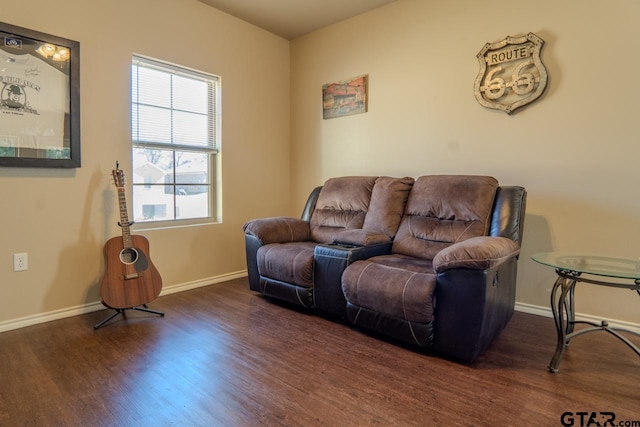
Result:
[
  {"x": 301, "y": 260},
  {"x": 431, "y": 262}
]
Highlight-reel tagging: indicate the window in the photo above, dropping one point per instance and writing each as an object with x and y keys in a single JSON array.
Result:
[{"x": 175, "y": 147}]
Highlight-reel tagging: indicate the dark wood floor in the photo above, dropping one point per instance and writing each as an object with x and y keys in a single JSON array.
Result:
[{"x": 223, "y": 355}]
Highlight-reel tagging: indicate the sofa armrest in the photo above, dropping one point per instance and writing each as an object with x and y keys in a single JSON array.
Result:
[
  {"x": 360, "y": 237},
  {"x": 478, "y": 253},
  {"x": 278, "y": 230}
]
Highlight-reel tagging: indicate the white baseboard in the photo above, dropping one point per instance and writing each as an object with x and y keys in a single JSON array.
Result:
[
  {"x": 546, "y": 312},
  {"x": 167, "y": 290},
  {"x": 35, "y": 319},
  {"x": 534, "y": 309}
]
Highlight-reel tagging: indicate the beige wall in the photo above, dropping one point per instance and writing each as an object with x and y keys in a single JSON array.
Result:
[
  {"x": 576, "y": 150},
  {"x": 62, "y": 218}
]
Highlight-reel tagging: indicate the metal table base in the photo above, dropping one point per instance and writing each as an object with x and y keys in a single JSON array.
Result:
[{"x": 563, "y": 307}]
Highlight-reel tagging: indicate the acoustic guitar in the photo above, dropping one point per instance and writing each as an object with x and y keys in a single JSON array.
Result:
[{"x": 131, "y": 278}]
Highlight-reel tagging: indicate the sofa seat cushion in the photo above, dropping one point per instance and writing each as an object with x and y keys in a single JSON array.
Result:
[
  {"x": 287, "y": 262},
  {"x": 394, "y": 285}
]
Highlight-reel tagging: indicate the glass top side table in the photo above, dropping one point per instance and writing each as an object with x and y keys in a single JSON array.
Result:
[{"x": 574, "y": 268}]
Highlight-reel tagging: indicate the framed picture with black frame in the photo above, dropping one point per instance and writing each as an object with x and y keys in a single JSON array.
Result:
[{"x": 39, "y": 99}]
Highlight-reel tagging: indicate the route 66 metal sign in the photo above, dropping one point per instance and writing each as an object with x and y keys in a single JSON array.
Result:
[{"x": 511, "y": 73}]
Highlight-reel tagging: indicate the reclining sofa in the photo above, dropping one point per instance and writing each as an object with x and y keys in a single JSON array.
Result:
[{"x": 430, "y": 262}]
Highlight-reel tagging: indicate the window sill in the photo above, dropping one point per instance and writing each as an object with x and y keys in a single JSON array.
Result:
[{"x": 182, "y": 223}]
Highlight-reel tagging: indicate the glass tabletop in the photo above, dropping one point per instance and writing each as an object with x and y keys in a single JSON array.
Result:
[{"x": 590, "y": 264}]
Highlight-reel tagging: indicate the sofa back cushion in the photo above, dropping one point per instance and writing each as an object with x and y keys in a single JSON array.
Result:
[
  {"x": 442, "y": 210},
  {"x": 388, "y": 201},
  {"x": 342, "y": 205}
]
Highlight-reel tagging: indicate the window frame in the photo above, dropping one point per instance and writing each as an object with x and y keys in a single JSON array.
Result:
[{"x": 212, "y": 148}]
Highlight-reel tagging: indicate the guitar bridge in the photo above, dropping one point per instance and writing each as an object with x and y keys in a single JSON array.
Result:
[{"x": 130, "y": 276}]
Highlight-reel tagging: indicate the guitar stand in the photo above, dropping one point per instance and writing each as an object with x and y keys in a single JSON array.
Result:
[{"x": 143, "y": 307}]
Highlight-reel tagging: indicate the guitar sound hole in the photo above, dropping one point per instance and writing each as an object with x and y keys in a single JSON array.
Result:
[{"x": 129, "y": 256}]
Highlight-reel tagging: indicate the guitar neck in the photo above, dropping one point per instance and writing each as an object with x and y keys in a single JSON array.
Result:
[{"x": 124, "y": 219}]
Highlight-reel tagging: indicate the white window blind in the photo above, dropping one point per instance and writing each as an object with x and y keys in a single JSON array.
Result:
[
  {"x": 172, "y": 107},
  {"x": 174, "y": 133}
]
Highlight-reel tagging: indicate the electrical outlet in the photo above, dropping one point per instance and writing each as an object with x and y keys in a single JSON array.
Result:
[{"x": 20, "y": 262}]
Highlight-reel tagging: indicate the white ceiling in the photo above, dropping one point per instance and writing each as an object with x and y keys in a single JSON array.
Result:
[{"x": 294, "y": 18}]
